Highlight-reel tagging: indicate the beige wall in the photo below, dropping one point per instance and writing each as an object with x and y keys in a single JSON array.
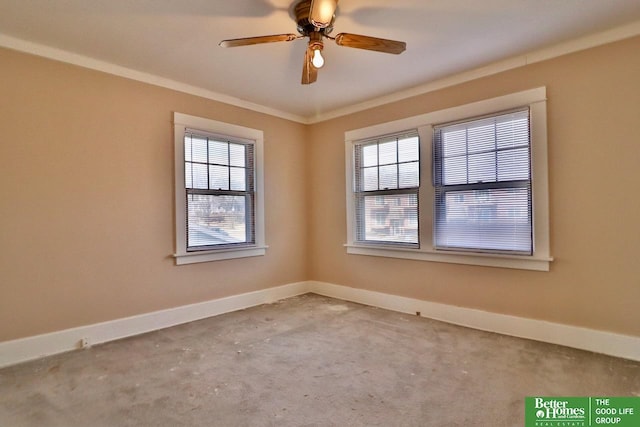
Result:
[
  {"x": 86, "y": 199},
  {"x": 594, "y": 160}
]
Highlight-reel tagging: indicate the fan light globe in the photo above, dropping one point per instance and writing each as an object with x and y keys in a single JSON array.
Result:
[
  {"x": 317, "y": 60},
  {"x": 322, "y": 12}
]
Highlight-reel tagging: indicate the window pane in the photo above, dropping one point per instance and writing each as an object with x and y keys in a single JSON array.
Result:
[
  {"x": 198, "y": 149},
  {"x": 483, "y": 151},
  {"x": 187, "y": 148},
  {"x": 482, "y": 167},
  {"x": 454, "y": 142},
  {"x": 188, "y": 183},
  {"x": 219, "y": 176},
  {"x": 199, "y": 174},
  {"x": 388, "y": 152},
  {"x": 218, "y": 152},
  {"x": 238, "y": 179},
  {"x": 488, "y": 219},
  {"x": 513, "y": 165},
  {"x": 481, "y": 138},
  {"x": 454, "y": 171},
  {"x": 216, "y": 220},
  {"x": 409, "y": 175},
  {"x": 513, "y": 130},
  {"x": 389, "y": 218},
  {"x": 237, "y": 155},
  {"x": 388, "y": 177},
  {"x": 370, "y": 179},
  {"x": 408, "y": 149},
  {"x": 370, "y": 155}
]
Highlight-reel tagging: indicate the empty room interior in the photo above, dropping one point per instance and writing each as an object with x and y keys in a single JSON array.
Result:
[{"x": 316, "y": 213}]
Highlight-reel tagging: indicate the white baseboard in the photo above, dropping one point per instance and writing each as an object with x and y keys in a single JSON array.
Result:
[
  {"x": 612, "y": 344},
  {"x": 24, "y": 349}
]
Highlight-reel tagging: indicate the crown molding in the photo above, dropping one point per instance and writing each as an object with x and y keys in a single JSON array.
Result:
[
  {"x": 129, "y": 73},
  {"x": 550, "y": 52}
]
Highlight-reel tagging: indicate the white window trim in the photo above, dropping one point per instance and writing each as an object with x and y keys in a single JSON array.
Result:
[
  {"x": 536, "y": 100},
  {"x": 180, "y": 123}
]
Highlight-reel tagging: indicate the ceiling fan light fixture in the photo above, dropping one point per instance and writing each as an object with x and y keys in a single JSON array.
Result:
[
  {"x": 314, "y": 20},
  {"x": 317, "y": 59},
  {"x": 322, "y": 12}
]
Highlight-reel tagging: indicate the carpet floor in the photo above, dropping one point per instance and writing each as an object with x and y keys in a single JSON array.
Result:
[{"x": 306, "y": 361}]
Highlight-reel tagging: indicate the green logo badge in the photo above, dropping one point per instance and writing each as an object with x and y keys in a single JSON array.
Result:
[{"x": 582, "y": 411}]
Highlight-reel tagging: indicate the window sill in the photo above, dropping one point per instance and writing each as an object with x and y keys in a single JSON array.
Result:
[
  {"x": 535, "y": 263},
  {"x": 219, "y": 255}
]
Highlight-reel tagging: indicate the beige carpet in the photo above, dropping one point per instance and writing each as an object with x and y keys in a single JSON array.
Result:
[{"x": 306, "y": 361}]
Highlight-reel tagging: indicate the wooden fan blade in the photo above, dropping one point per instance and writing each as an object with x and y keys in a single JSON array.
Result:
[
  {"x": 370, "y": 43},
  {"x": 258, "y": 40},
  {"x": 309, "y": 72}
]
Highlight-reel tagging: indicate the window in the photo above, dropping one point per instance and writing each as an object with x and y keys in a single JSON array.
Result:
[
  {"x": 219, "y": 190},
  {"x": 387, "y": 178},
  {"x": 482, "y": 198},
  {"x": 482, "y": 184},
  {"x": 219, "y": 198}
]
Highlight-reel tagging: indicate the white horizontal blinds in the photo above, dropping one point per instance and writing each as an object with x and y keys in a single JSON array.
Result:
[
  {"x": 219, "y": 183},
  {"x": 483, "y": 184},
  {"x": 387, "y": 178}
]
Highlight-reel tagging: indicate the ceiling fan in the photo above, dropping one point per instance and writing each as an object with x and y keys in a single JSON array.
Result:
[{"x": 315, "y": 19}]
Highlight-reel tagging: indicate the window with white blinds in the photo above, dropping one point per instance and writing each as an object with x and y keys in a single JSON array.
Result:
[
  {"x": 468, "y": 186},
  {"x": 482, "y": 180},
  {"x": 219, "y": 186},
  {"x": 387, "y": 179},
  {"x": 219, "y": 190}
]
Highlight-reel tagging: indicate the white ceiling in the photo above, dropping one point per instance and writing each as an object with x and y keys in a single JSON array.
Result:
[{"x": 178, "y": 40}]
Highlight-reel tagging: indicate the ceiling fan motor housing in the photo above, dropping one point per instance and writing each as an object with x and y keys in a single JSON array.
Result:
[{"x": 301, "y": 12}]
